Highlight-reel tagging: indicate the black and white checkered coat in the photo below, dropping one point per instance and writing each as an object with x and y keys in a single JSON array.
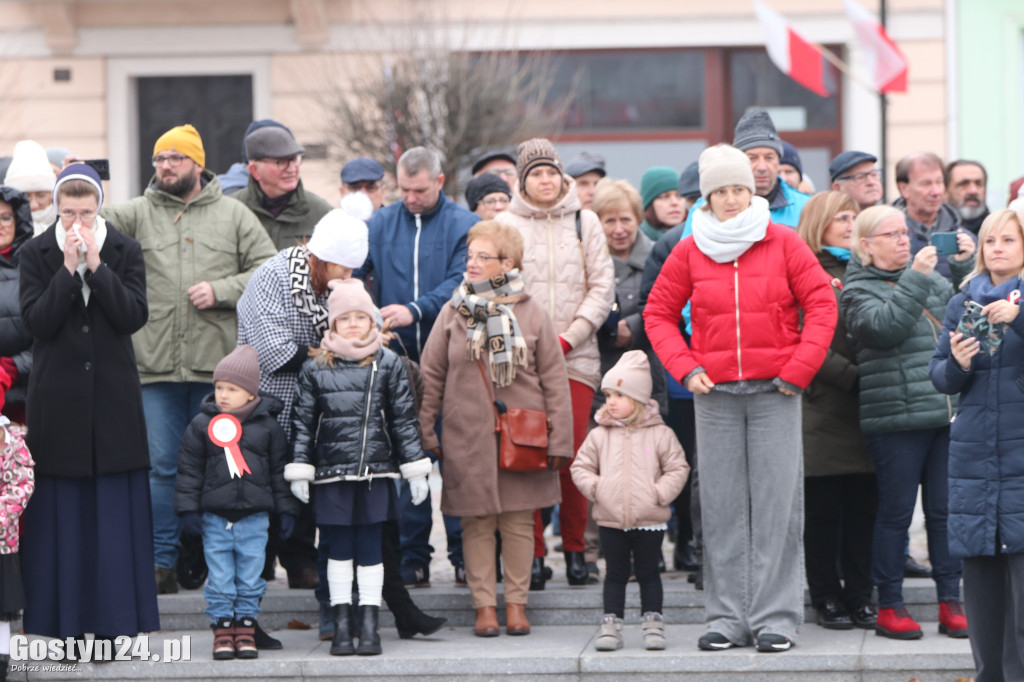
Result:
[{"x": 275, "y": 320}]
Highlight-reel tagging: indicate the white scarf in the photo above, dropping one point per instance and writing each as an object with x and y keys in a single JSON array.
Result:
[
  {"x": 42, "y": 219},
  {"x": 99, "y": 230},
  {"x": 724, "y": 242}
]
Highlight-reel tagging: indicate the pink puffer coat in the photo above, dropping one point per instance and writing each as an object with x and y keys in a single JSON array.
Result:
[
  {"x": 17, "y": 481},
  {"x": 575, "y": 285}
]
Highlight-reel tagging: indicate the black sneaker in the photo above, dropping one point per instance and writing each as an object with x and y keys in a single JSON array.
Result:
[
  {"x": 912, "y": 569},
  {"x": 833, "y": 616},
  {"x": 416, "y": 576},
  {"x": 714, "y": 641},
  {"x": 460, "y": 576},
  {"x": 769, "y": 642}
]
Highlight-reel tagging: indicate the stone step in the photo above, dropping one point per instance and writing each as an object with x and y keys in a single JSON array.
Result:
[
  {"x": 558, "y": 604},
  {"x": 552, "y": 653}
]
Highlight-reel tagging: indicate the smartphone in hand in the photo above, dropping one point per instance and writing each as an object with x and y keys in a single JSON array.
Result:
[{"x": 945, "y": 243}]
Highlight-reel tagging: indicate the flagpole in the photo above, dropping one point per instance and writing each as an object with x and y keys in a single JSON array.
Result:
[{"x": 883, "y": 103}]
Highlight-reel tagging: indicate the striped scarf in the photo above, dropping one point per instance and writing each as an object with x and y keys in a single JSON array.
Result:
[{"x": 487, "y": 307}]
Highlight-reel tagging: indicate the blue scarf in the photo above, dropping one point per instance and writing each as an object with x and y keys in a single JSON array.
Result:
[
  {"x": 981, "y": 289},
  {"x": 842, "y": 255}
]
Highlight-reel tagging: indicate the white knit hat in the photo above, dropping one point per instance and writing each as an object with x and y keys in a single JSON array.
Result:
[
  {"x": 724, "y": 165},
  {"x": 30, "y": 169},
  {"x": 341, "y": 239}
]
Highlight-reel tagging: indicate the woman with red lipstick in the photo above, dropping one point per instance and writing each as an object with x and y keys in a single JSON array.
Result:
[
  {"x": 891, "y": 306},
  {"x": 840, "y": 494},
  {"x": 567, "y": 269},
  {"x": 746, "y": 280}
]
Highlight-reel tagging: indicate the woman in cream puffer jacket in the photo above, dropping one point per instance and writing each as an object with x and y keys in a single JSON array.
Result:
[{"x": 570, "y": 273}]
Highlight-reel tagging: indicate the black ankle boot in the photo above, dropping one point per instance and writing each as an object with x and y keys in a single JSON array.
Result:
[
  {"x": 575, "y": 568},
  {"x": 369, "y": 635},
  {"x": 341, "y": 643},
  {"x": 414, "y": 622},
  {"x": 538, "y": 576}
]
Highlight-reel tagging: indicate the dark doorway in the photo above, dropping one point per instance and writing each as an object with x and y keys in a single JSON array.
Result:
[{"x": 220, "y": 107}]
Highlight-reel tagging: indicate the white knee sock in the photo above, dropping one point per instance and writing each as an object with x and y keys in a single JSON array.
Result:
[
  {"x": 371, "y": 584},
  {"x": 339, "y": 581},
  {"x": 5, "y": 637}
]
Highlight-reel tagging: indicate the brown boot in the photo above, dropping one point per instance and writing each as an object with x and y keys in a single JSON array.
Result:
[
  {"x": 515, "y": 620},
  {"x": 486, "y": 622},
  {"x": 223, "y": 639},
  {"x": 245, "y": 637}
]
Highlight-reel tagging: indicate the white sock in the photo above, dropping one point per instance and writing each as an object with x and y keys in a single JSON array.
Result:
[
  {"x": 5, "y": 637},
  {"x": 339, "y": 581},
  {"x": 371, "y": 584}
]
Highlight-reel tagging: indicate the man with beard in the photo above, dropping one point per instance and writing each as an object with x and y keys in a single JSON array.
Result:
[
  {"x": 965, "y": 191},
  {"x": 200, "y": 249}
]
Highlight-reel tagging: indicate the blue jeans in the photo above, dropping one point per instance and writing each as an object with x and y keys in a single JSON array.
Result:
[
  {"x": 169, "y": 407},
  {"x": 414, "y": 526},
  {"x": 235, "y": 553},
  {"x": 904, "y": 460}
]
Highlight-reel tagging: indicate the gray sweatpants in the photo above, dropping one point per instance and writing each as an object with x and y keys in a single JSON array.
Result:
[{"x": 751, "y": 477}]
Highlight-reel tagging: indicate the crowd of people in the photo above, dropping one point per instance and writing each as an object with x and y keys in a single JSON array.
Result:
[{"x": 231, "y": 361}]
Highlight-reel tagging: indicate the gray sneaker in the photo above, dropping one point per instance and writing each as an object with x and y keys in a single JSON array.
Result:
[
  {"x": 609, "y": 638},
  {"x": 654, "y": 631}
]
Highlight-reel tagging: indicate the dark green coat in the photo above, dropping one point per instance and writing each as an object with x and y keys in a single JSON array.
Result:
[
  {"x": 833, "y": 442},
  {"x": 894, "y": 341},
  {"x": 295, "y": 223}
]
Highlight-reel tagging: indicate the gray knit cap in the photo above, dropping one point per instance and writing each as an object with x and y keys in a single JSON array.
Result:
[
  {"x": 240, "y": 367},
  {"x": 755, "y": 129}
]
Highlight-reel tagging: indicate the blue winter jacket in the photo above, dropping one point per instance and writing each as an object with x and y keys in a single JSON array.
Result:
[
  {"x": 986, "y": 449},
  {"x": 417, "y": 261}
]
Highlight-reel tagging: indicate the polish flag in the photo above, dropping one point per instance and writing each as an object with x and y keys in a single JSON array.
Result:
[
  {"x": 796, "y": 57},
  {"x": 888, "y": 65}
]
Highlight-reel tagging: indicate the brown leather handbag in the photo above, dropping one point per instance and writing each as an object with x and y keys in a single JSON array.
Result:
[{"x": 522, "y": 434}]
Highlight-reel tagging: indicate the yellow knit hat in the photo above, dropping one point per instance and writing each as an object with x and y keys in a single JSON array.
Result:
[{"x": 183, "y": 139}]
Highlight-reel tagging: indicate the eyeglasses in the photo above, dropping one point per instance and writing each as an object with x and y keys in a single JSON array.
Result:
[
  {"x": 283, "y": 164},
  {"x": 81, "y": 215},
  {"x": 479, "y": 258},
  {"x": 7, "y": 219},
  {"x": 172, "y": 160},
  {"x": 363, "y": 186},
  {"x": 496, "y": 201},
  {"x": 861, "y": 178},
  {"x": 895, "y": 235}
]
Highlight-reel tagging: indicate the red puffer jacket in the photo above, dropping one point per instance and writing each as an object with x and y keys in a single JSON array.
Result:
[{"x": 746, "y": 313}]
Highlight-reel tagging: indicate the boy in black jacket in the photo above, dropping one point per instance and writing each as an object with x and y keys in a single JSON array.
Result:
[{"x": 230, "y": 478}]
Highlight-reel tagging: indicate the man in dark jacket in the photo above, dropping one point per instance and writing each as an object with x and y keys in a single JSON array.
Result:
[
  {"x": 965, "y": 191},
  {"x": 417, "y": 247},
  {"x": 275, "y": 192}
]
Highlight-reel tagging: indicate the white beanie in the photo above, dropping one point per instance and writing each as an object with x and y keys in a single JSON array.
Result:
[
  {"x": 721, "y": 166},
  {"x": 341, "y": 239},
  {"x": 30, "y": 169}
]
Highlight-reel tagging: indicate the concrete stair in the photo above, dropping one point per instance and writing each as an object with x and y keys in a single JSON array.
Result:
[{"x": 564, "y": 621}]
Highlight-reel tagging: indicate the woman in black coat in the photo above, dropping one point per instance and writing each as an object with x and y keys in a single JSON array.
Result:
[
  {"x": 87, "y": 550},
  {"x": 15, "y": 340}
]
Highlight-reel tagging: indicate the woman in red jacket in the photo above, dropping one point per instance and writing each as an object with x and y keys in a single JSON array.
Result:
[{"x": 746, "y": 280}]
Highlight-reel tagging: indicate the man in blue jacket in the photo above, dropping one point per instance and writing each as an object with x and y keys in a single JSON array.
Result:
[{"x": 416, "y": 255}]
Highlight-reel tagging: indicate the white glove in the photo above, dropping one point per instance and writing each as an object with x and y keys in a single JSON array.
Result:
[
  {"x": 300, "y": 489},
  {"x": 419, "y": 489}
]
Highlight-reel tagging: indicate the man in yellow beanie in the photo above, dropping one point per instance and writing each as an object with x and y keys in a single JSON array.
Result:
[{"x": 200, "y": 249}]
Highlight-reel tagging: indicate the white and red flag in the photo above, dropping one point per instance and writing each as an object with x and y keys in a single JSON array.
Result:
[
  {"x": 887, "y": 63},
  {"x": 795, "y": 56}
]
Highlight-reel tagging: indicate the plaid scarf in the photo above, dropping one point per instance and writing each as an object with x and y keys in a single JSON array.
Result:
[{"x": 487, "y": 307}]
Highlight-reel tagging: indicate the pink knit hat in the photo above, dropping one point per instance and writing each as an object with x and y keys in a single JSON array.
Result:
[
  {"x": 348, "y": 295},
  {"x": 631, "y": 376}
]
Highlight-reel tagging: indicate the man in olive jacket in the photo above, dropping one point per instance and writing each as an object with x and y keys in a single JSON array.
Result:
[
  {"x": 274, "y": 191},
  {"x": 200, "y": 249}
]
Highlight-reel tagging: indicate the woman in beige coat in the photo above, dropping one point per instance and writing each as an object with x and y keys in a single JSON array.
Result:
[
  {"x": 568, "y": 270},
  {"x": 494, "y": 331}
]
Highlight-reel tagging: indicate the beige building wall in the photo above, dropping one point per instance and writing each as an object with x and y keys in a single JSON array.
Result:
[{"x": 296, "y": 48}]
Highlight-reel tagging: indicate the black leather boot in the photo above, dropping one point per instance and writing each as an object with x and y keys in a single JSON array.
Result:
[
  {"x": 575, "y": 568},
  {"x": 538, "y": 576},
  {"x": 341, "y": 644},
  {"x": 369, "y": 634},
  {"x": 415, "y": 622}
]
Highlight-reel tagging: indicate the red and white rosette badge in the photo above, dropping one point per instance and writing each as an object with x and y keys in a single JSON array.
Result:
[{"x": 225, "y": 431}]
